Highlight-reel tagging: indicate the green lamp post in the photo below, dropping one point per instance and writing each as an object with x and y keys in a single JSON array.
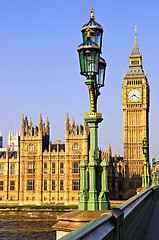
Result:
[
  {"x": 145, "y": 177},
  {"x": 92, "y": 66},
  {"x": 153, "y": 166}
]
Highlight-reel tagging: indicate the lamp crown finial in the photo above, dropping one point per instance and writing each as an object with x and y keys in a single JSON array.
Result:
[{"x": 92, "y": 11}]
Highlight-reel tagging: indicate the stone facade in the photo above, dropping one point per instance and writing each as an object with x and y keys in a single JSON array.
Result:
[
  {"x": 13, "y": 141},
  {"x": 42, "y": 172}
]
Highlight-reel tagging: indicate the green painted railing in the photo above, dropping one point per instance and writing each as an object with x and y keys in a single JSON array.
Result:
[{"x": 126, "y": 222}]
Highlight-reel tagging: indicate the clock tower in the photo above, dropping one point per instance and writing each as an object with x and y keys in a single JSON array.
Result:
[{"x": 135, "y": 101}]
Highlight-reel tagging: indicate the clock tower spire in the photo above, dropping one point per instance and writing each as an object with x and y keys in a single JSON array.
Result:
[{"x": 135, "y": 101}]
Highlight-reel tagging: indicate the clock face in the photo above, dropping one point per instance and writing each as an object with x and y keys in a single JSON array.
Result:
[{"x": 134, "y": 95}]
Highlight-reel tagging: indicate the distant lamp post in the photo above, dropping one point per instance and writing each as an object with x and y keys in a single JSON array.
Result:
[
  {"x": 153, "y": 167},
  {"x": 145, "y": 177},
  {"x": 93, "y": 67},
  {"x": 157, "y": 182}
]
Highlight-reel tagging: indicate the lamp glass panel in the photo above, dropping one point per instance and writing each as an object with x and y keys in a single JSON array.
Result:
[
  {"x": 145, "y": 150},
  {"x": 101, "y": 75},
  {"x": 84, "y": 36},
  {"x": 98, "y": 38},
  {"x": 82, "y": 62},
  {"x": 91, "y": 62}
]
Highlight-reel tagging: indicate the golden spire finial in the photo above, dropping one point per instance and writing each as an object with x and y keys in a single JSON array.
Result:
[
  {"x": 88, "y": 32},
  {"x": 92, "y": 11},
  {"x": 135, "y": 33}
]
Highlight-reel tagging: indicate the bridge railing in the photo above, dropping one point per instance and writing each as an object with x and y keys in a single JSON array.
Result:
[{"x": 125, "y": 222}]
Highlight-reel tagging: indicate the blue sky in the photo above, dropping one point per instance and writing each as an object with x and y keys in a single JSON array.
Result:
[{"x": 39, "y": 68}]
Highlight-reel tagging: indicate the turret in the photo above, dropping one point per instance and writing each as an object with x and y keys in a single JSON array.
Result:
[
  {"x": 22, "y": 127},
  {"x": 109, "y": 150},
  {"x": 26, "y": 125},
  {"x": 47, "y": 127},
  {"x": 85, "y": 128},
  {"x": 40, "y": 126},
  {"x": 43, "y": 129},
  {"x": 73, "y": 122},
  {"x": 31, "y": 127},
  {"x": 67, "y": 127}
]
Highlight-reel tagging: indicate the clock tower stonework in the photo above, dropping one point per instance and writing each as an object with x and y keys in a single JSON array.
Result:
[{"x": 135, "y": 101}]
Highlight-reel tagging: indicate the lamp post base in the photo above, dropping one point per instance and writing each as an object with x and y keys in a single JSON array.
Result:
[
  {"x": 104, "y": 203},
  {"x": 93, "y": 201},
  {"x": 82, "y": 205}
]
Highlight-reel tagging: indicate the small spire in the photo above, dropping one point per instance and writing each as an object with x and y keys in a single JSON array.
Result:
[
  {"x": 30, "y": 123},
  {"x": 73, "y": 121},
  {"x": 22, "y": 119},
  {"x": 92, "y": 11},
  {"x": 135, "y": 50},
  {"x": 40, "y": 119},
  {"x": 67, "y": 118},
  {"x": 47, "y": 121}
]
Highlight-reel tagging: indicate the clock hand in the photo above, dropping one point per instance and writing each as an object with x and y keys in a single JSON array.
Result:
[{"x": 135, "y": 96}]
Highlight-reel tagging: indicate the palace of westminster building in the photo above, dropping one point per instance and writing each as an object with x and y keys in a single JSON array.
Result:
[{"x": 34, "y": 170}]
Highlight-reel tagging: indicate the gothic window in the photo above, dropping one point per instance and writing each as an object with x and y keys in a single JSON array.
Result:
[
  {"x": 134, "y": 62},
  {"x": 31, "y": 148},
  {"x": 45, "y": 185},
  {"x": 75, "y": 185},
  {"x": 75, "y": 167},
  {"x": 53, "y": 168},
  {"x": 12, "y": 169},
  {"x": 45, "y": 168},
  {"x": 1, "y": 185},
  {"x": 1, "y": 169},
  {"x": 76, "y": 147},
  {"x": 12, "y": 185},
  {"x": 31, "y": 168},
  {"x": 61, "y": 185},
  {"x": 120, "y": 186},
  {"x": 61, "y": 168},
  {"x": 53, "y": 185},
  {"x": 30, "y": 185}
]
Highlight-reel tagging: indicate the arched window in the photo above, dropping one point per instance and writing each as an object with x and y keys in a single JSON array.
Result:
[
  {"x": 31, "y": 148},
  {"x": 76, "y": 147}
]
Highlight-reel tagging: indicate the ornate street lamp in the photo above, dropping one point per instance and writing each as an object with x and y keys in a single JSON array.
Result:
[
  {"x": 145, "y": 147},
  {"x": 92, "y": 66},
  {"x": 153, "y": 166},
  {"x": 146, "y": 177},
  {"x": 89, "y": 53}
]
